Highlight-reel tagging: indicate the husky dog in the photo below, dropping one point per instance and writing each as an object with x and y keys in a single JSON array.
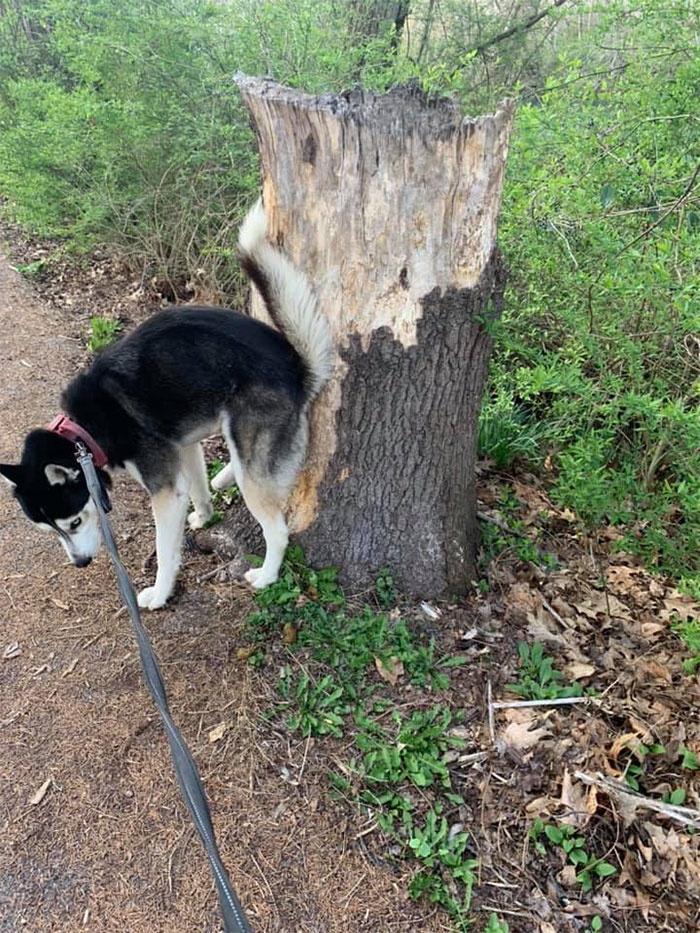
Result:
[{"x": 148, "y": 400}]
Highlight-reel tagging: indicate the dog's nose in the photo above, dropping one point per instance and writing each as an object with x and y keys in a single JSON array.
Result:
[{"x": 82, "y": 561}]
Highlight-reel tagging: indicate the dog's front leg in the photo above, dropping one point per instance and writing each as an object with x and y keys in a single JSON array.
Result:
[{"x": 169, "y": 510}]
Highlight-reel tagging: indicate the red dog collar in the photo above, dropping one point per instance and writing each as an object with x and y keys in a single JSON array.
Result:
[{"x": 62, "y": 425}]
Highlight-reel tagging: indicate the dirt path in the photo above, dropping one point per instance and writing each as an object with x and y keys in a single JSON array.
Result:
[{"x": 108, "y": 847}]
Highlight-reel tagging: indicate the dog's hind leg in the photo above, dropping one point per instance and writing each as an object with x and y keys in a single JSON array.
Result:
[
  {"x": 169, "y": 510},
  {"x": 194, "y": 468},
  {"x": 233, "y": 471},
  {"x": 265, "y": 503}
]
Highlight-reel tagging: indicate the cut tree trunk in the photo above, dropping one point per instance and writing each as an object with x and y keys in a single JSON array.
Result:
[{"x": 390, "y": 203}]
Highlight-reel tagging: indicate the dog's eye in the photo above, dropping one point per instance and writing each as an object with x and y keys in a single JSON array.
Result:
[{"x": 75, "y": 523}]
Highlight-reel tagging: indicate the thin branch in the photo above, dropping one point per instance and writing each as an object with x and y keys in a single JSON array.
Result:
[
  {"x": 631, "y": 800},
  {"x": 524, "y": 704},
  {"x": 490, "y": 520},
  {"x": 676, "y": 203},
  {"x": 641, "y": 236},
  {"x": 492, "y": 720},
  {"x": 518, "y": 28}
]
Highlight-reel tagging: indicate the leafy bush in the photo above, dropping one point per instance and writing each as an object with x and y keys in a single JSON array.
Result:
[
  {"x": 601, "y": 230},
  {"x": 120, "y": 122}
]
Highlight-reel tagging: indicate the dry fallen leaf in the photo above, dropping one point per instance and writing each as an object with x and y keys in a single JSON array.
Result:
[
  {"x": 36, "y": 798},
  {"x": 652, "y": 629},
  {"x": 71, "y": 667},
  {"x": 389, "y": 672},
  {"x": 634, "y": 582},
  {"x": 579, "y": 808},
  {"x": 654, "y": 670},
  {"x": 13, "y": 650},
  {"x": 218, "y": 732},
  {"x": 598, "y": 603},
  {"x": 631, "y": 741},
  {"x": 577, "y": 671},
  {"x": 519, "y": 735},
  {"x": 567, "y": 876},
  {"x": 678, "y": 606}
]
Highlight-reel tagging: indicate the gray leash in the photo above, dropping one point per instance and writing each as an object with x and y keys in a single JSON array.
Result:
[{"x": 186, "y": 772}]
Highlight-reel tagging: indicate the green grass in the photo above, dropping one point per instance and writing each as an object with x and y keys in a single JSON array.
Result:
[
  {"x": 103, "y": 331},
  {"x": 221, "y": 498}
]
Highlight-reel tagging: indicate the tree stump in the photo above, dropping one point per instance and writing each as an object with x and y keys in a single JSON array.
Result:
[{"x": 390, "y": 204}]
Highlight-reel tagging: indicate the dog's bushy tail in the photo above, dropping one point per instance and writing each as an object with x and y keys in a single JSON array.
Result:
[{"x": 289, "y": 298}]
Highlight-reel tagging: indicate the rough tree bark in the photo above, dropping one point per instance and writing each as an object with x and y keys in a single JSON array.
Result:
[{"x": 390, "y": 203}]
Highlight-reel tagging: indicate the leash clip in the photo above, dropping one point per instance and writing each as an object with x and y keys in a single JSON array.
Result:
[{"x": 81, "y": 451}]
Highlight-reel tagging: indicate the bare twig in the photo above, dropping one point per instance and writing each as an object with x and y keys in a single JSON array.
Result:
[
  {"x": 522, "y": 704},
  {"x": 630, "y": 800},
  {"x": 214, "y": 572},
  {"x": 499, "y": 523},
  {"x": 518, "y": 28},
  {"x": 641, "y": 236},
  {"x": 553, "y": 612},
  {"x": 472, "y": 758},
  {"x": 492, "y": 724}
]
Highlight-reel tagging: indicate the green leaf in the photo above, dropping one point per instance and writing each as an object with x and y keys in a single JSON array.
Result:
[
  {"x": 554, "y": 834},
  {"x": 605, "y": 869},
  {"x": 607, "y": 196},
  {"x": 578, "y": 857}
]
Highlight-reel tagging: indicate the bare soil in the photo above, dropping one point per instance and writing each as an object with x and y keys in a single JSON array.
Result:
[
  {"x": 93, "y": 834},
  {"x": 110, "y": 846}
]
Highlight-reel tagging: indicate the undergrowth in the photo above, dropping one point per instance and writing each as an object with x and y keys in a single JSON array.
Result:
[
  {"x": 343, "y": 659},
  {"x": 689, "y": 633}
]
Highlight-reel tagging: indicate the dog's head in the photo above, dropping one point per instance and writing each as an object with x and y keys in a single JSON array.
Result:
[{"x": 51, "y": 489}]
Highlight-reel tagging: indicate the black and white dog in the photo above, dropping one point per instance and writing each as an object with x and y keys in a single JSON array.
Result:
[{"x": 147, "y": 401}]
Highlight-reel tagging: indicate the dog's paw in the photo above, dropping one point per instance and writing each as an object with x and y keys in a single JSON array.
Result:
[
  {"x": 150, "y": 599},
  {"x": 259, "y": 580},
  {"x": 196, "y": 520}
]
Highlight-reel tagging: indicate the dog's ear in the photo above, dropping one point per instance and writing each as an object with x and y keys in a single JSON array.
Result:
[
  {"x": 57, "y": 474},
  {"x": 11, "y": 473}
]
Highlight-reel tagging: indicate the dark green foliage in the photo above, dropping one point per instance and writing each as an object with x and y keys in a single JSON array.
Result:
[
  {"x": 589, "y": 869},
  {"x": 689, "y": 633},
  {"x": 539, "y": 679},
  {"x": 596, "y": 348},
  {"x": 120, "y": 122}
]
